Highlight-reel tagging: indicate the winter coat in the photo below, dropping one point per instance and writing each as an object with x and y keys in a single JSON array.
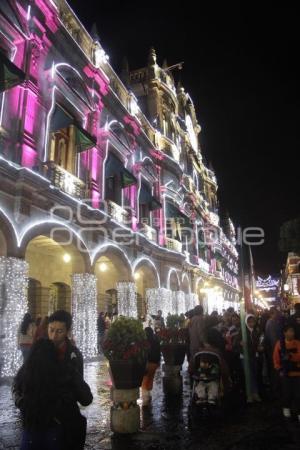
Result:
[{"x": 196, "y": 333}]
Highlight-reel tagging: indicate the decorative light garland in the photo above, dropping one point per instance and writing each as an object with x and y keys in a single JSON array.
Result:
[
  {"x": 127, "y": 299},
  {"x": 84, "y": 311},
  {"x": 13, "y": 303},
  {"x": 191, "y": 300}
]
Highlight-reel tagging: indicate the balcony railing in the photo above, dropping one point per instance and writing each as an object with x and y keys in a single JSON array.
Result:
[
  {"x": 173, "y": 244},
  {"x": 64, "y": 180},
  {"x": 149, "y": 232},
  {"x": 218, "y": 274},
  {"x": 118, "y": 213},
  {"x": 203, "y": 265}
]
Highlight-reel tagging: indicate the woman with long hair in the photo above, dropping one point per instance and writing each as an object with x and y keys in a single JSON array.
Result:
[
  {"x": 47, "y": 399},
  {"x": 26, "y": 335}
]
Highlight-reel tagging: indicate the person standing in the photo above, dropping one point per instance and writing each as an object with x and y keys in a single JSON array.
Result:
[
  {"x": 26, "y": 335},
  {"x": 47, "y": 398},
  {"x": 153, "y": 362},
  {"x": 71, "y": 367},
  {"x": 196, "y": 330},
  {"x": 286, "y": 359},
  {"x": 294, "y": 320}
]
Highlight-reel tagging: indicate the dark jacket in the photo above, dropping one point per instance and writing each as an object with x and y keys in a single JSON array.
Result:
[
  {"x": 154, "y": 351},
  {"x": 73, "y": 358}
]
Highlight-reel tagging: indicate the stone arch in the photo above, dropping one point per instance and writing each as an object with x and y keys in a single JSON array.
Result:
[
  {"x": 52, "y": 265},
  {"x": 111, "y": 265},
  {"x": 74, "y": 80},
  {"x": 146, "y": 277},
  {"x": 8, "y": 236},
  {"x": 185, "y": 284},
  {"x": 60, "y": 297},
  {"x": 173, "y": 281},
  {"x": 60, "y": 232}
]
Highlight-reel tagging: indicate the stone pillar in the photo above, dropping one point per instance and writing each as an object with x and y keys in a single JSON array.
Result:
[
  {"x": 172, "y": 379},
  {"x": 84, "y": 311},
  {"x": 127, "y": 301},
  {"x": 158, "y": 299},
  {"x": 191, "y": 300},
  {"x": 13, "y": 306},
  {"x": 124, "y": 412},
  {"x": 178, "y": 302}
]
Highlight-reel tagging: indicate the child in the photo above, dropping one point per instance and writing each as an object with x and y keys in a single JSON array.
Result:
[
  {"x": 286, "y": 358},
  {"x": 208, "y": 373}
]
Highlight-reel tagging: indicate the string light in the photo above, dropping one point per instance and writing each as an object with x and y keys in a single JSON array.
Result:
[
  {"x": 178, "y": 302},
  {"x": 191, "y": 300},
  {"x": 127, "y": 299},
  {"x": 84, "y": 311},
  {"x": 13, "y": 299}
]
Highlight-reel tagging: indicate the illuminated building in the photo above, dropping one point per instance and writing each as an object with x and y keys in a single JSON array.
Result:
[{"x": 104, "y": 194}]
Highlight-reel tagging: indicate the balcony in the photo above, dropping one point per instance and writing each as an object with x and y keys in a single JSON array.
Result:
[
  {"x": 118, "y": 213},
  {"x": 203, "y": 265},
  {"x": 64, "y": 180},
  {"x": 149, "y": 232},
  {"x": 218, "y": 274},
  {"x": 173, "y": 244}
]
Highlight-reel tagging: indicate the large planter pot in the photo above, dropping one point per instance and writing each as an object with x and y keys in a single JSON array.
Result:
[
  {"x": 173, "y": 354},
  {"x": 126, "y": 374}
]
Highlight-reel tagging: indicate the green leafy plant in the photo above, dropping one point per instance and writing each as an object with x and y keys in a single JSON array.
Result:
[
  {"x": 174, "y": 333},
  {"x": 126, "y": 340},
  {"x": 175, "y": 321}
]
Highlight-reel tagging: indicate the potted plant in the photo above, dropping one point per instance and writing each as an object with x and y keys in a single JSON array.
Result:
[
  {"x": 173, "y": 340},
  {"x": 126, "y": 348}
]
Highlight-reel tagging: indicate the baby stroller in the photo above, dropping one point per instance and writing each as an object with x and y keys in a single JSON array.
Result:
[{"x": 206, "y": 376}]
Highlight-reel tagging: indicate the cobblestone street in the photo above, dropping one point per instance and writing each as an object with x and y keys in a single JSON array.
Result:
[{"x": 167, "y": 425}]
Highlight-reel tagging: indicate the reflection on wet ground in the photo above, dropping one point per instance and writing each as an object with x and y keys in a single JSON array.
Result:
[{"x": 167, "y": 424}]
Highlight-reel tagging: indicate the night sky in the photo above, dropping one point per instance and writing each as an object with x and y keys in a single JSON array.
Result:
[{"x": 241, "y": 70}]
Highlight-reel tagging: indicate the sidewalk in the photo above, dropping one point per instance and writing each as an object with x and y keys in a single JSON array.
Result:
[{"x": 166, "y": 425}]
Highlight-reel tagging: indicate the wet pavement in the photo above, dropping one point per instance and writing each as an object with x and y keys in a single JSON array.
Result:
[{"x": 168, "y": 424}]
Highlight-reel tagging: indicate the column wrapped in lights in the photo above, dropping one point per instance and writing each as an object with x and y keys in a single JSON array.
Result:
[
  {"x": 191, "y": 300},
  {"x": 158, "y": 299},
  {"x": 127, "y": 299},
  {"x": 179, "y": 302},
  {"x": 13, "y": 305},
  {"x": 84, "y": 311}
]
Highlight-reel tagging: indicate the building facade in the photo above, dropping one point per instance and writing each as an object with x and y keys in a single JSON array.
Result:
[
  {"x": 290, "y": 282},
  {"x": 105, "y": 200}
]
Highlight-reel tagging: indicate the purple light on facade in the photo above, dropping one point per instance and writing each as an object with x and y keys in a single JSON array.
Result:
[
  {"x": 28, "y": 156},
  {"x": 136, "y": 129}
]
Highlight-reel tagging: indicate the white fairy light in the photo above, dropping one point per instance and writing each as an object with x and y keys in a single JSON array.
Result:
[
  {"x": 191, "y": 300},
  {"x": 84, "y": 311},
  {"x": 127, "y": 299},
  {"x": 178, "y": 302},
  {"x": 13, "y": 302},
  {"x": 159, "y": 299}
]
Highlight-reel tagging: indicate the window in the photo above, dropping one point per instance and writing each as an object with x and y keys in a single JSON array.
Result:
[{"x": 67, "y": 140}]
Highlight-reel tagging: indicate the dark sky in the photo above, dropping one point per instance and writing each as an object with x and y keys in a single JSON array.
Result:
[{"x": 241, "y": 70}]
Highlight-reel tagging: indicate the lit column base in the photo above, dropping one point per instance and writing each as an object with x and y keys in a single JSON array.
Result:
[
  {"x": 172, "y": 379},
  {"x": 124, "y": 412},
  {"x": 84, "y": 311},
  {"x": 127, "y": 301},
  {"x": 13, "y": 306}
]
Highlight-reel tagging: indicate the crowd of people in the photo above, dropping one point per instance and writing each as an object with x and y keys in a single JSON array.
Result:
[{"x": 263, "y": 356}]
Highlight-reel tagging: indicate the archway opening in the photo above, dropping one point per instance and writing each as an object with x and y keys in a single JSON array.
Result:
[
  {"x": 110, "y": 268},
  {"x": 173, "y": 281},
  {"x": 145, "y": 278},
  {"x": 3, "y": 245},
  {"x": 51, "y": 266}
]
